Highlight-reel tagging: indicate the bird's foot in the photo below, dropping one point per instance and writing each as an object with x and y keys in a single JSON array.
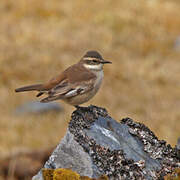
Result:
[
  {"x": 77, "y": 107},
  {"x": 81, "y": 108}
]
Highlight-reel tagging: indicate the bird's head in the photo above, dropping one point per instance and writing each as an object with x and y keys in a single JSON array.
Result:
[{"x": 93, "y": 60}]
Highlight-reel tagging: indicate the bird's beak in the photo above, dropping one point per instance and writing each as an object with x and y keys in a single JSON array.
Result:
[{"x": 106, "y": 62}]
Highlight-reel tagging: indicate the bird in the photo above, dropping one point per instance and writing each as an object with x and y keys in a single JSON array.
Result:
[{"x": 76, "y": 85}]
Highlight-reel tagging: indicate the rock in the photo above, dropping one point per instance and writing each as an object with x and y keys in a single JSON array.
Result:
[
  {"x": 69, "y": 154},
  {"x": 175, "y": 175},
  {"x": 95, "y": 144},
  {"x": 36, "y": 107},
  {"x": 65, "y": 174},
  {"x": 178, "y": 146},
  {"x": 178, "y": 143}
]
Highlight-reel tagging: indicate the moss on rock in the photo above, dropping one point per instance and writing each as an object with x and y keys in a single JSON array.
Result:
[{"x": 66, "y": 174}]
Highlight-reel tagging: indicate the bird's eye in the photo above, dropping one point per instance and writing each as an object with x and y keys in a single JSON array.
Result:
[{"x": 94, "y": 61}]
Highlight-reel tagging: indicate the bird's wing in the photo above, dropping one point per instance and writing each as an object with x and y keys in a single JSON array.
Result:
[
  {"x": 69, "y": 89},
  {"x": 76, "y": 81},
  {"x": 57, "y": 80},
  {"x": 68, "y": 93}
]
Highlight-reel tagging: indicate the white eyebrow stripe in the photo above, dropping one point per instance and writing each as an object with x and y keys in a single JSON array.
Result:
[{"x": 90, "y": 58}]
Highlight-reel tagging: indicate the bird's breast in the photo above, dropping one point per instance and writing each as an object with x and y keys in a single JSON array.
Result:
[
  {"x": 82, "y": 98},
  {"x": 99, "y": 78}
]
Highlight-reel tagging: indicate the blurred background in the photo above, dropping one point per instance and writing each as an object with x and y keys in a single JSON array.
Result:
[{"x": 39, "y": 39}]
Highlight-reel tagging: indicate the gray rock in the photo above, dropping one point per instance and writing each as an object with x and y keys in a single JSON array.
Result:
[
  {"x": 95, "y": 144},
  {"x": 178, "y": 143},
  {"x": 36, "y": 107},
  {"x": 69, "y": 154}
]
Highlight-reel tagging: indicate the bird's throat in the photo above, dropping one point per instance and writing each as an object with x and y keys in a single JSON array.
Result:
[{"x": 97, "y": 67}]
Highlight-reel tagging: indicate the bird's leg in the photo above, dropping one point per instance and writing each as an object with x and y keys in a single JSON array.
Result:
[
  {"x": 77, "y": 107},
  {"x": 78, "y": 110},
  {"x": 81, "y": 107}
]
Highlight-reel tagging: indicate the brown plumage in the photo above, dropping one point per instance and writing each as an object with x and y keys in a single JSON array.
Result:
[
  {"x": 35, "y": 87},
  {"x": 59, "y": 84},
  {"x": 76, "y": 85}
]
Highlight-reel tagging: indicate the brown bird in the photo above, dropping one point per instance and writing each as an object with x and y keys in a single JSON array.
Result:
[{"x": 76, "y": 85}]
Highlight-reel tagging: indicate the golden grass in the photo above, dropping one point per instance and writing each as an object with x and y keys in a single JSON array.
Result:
[{"x": 39, "y": 39}]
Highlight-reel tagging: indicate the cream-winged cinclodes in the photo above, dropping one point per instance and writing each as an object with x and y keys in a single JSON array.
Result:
[{"x": 76, "y": 85}]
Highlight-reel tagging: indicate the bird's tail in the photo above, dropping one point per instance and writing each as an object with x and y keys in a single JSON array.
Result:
[{"x": 35, "y": 87}]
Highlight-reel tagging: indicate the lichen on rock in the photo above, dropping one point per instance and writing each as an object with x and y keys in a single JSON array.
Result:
[
  {"x": 96, "y": 144},
  {"x": 66, "y": 174}
]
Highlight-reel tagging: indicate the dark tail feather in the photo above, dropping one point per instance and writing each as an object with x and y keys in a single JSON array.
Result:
[{"x": 35, "y": 87}]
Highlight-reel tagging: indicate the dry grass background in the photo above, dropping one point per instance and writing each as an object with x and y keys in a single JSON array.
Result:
[{"x": 39, "y": 39}]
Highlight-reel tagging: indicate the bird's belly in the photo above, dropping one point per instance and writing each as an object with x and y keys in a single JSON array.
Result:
[{"x": 82, "y": 98}]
